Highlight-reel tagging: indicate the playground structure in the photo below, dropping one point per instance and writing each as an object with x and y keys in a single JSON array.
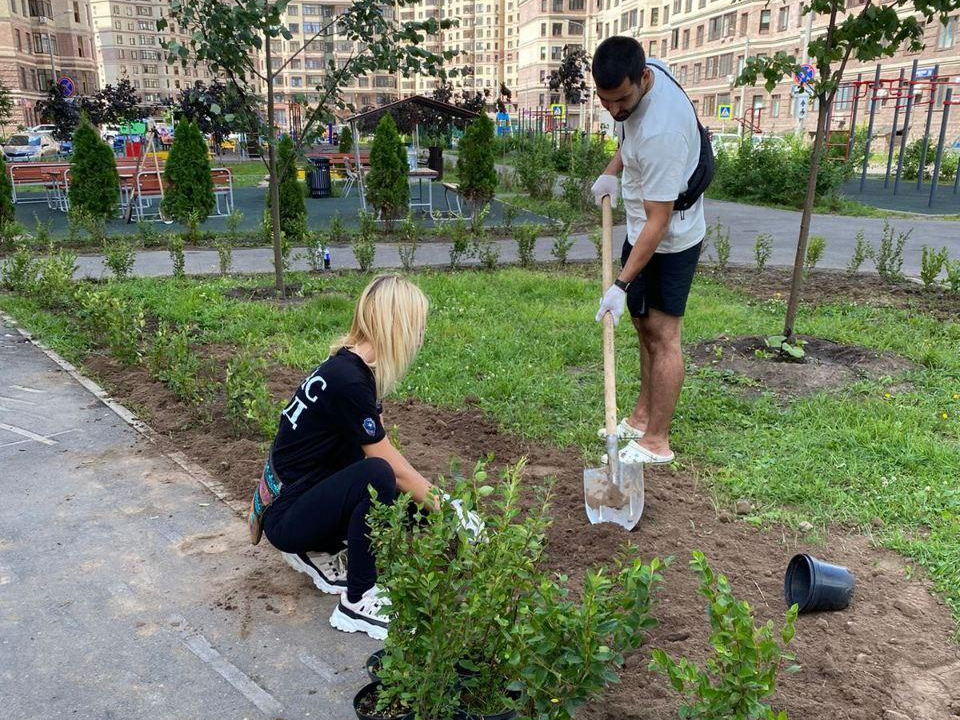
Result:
[{"x": 924, "y": 92}]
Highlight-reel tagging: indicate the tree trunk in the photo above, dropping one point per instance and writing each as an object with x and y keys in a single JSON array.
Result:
[
  {"x": 274, "y": 181},
  {"x": 797, "y": 279}
]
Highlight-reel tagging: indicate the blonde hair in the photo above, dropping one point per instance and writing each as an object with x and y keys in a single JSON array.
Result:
[{"x": 391, "y": 315}]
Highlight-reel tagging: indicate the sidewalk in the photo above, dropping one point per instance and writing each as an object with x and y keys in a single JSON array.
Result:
[
  {"x": 743, "y": 221},
  {"x": 128, "y": 590}
]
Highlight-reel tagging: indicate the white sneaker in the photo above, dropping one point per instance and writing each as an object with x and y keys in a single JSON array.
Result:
[
  {"x": 625, "y": 431},
  {"x": 368, "y": 615},
  {"x": 328, "y": 572}
]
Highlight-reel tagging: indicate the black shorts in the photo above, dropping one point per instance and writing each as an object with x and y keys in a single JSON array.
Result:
[{"x": 664, "y": 284}]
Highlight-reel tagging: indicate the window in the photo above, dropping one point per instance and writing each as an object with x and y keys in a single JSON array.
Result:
[
  {"x": 575, "y": 5},
  {"x": 775, "y": 106},
  {"x": 688, "y": 6},
  {"x": 23, "y": 79},
  {"x": 313, "y": 64},
  {"x": 557, "y": 30},
  {"x": 293, "y": 10},
  {"x": 543, "y": 6},
  {"x": 666, "y": 14},
  {"x": 543, "y": 29},
  {"x": 663, "y": 48},
  {"x": 80, "y": 51},
  {"x": 13, "y": 9},
  {"x": 575, "y": 27},
  {"x": 701, "y": 4},
  {"x": 675, "y": 39},
  {"x": 623, "y": 20},
  {"x": 654, "y": 17},
  {"x": 726, "y": 64},
  {"x": 716, "y": 24},
  {"x": 686, "y": 39},
  {"x": 710, "y": 106},
  {"x": 144, "y": 11},
  {"x": 729, "y": 24},
  {"x": 743, "y": 23},
  {"x": 676, "y": 6},
  {"x": 765, "y": 21},
  {"x": 640, "y": 19},
  {"x": 783, "y": 18},
  {"x": 76, "y": 12},
  {"x": 696, "y": 72},
  {"x": 146, "y": 25},
  {"x": 633, "y": 18},
  {"x": 948, "y": 34},
  {"x": 711, "y": 70},
  {"x": 682, "y": 77},
  {"x": 699, "y": 35},
  {"x": 19, "y": 45},
  {"x": 543, "y": 53},
  {"x": 615, "y": 26},
  {"x": 653, "y": 48},
  {"x": 556, "y": 53}
]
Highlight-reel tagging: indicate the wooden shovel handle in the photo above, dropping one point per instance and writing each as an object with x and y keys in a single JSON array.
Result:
[{"x": 609, "y": 361}]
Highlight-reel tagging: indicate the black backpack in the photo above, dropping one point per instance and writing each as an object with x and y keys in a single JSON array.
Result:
[{"x": 706, "y": 166}]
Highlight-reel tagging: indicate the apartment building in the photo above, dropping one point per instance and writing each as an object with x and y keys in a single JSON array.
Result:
[
  {"x": 128, "y": 46},
  {"x": 706, "y": 42},
  {"x": 42, "y": 41}
]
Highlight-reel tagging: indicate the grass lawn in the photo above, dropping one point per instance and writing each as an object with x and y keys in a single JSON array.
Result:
[
  {"x": 882, "y": 455},
  {"x": 248, "y": 173}
]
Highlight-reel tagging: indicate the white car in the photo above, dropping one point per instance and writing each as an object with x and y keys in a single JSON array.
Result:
[
  {"x": 23, "y": 147},
  {"x": 43, "y": 129}
]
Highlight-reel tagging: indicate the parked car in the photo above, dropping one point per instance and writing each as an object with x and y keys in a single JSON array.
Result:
[
  {"x": 23, "y": 147},
  {"x": 43, "y": 129}
]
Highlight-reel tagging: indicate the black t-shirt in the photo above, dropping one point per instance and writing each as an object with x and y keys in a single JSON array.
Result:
[{"x": 331, "y": 415}]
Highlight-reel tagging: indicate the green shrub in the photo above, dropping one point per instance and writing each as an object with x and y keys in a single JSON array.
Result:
[
  {"x": 337, "y": 232},
  {"x": 387, "y": 186},
  {"x": 953, "y": 275},
  {"x": 535, "y": 170},
  {"x": 293, "y": 209},
  {"x": 459, "y": 243},
  {"x": 7, "y": 214},
  {"x": 249, "y": 407},
  {"x": 721, "y": 244},
  {"x": 19, "y": 272},
  {"x": 526, "y": 237},
  {"x": 175, "y": 245},
  {"x": 588, "y": 160},
  {"x": 762, "y": 249},
  {"x": 931, "y": 263},
  {"x": 113, "y": 321},
  {"x": 510, "y": 213},
  {"x": 475, "y": 163},
  {"x": 740, "y": 674},
  {"x": 148, "y": 235},
  {"x": 119, "y": 255},
  {"x": 346, "y": 140},
  {"x": 911, "y": 162},
  {"x": 409, "y": 238},
  {"x": 226, "y": 241},
  {"x": 54, "y": 287},
  {"x": 94, "y": 183},
  {"x": 562, "y": 156},
  {"x": 596, "y": 238},
  {"x": 187, "y": 176},
  {"x": 816, "y": 244},
  {"x": 561, "y": 245},
  {"x": 364, "y": 248},
  {"x": 889, "y": 255},
  {"x": 173, "y": 363},
  {"x": 862, "y": 251}
]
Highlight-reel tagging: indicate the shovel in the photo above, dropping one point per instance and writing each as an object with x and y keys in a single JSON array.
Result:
[{"x": 613, "y": 493}]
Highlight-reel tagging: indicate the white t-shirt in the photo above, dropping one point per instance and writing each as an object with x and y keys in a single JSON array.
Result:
[{"x": 660, "y": 150}]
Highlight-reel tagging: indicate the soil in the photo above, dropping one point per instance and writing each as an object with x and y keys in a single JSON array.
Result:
[
  {"x": 827, "y": 365},
  {"x": 889, "y": 656},
  {"x": 834, "y": 286}
]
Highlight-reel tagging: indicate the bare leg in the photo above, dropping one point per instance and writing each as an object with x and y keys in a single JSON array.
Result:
[
  {"x": 641, "y": 411},
  {"x": 660, "y": 334}
]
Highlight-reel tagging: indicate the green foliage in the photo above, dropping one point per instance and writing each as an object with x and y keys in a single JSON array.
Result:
[
  {"x": 249, "y": 407},
  {"x": 535, "y": 169},
  {"x": 889, "y": 255},
  {"x": 54, "y": 286},
  {"x": 175, "y": 246},
  {"x": 293, "y": 208},
  {"x": 11, "y": 234},
  {"x": 931, "y": 264},
  {"x": 409, "y": 238},
  {"x": 510, "y": 213},
  {"x": 788, "y": 349},
  {"x": 19, "y": 271},
  {"x": 562, "y": 242},
  {"x": 189, "y": 185},
  {"x": 762, "y": 249},
  {"x": 952, "y": 269},
  {"x": 526, "y": 237},
  {"x": 368, "y": 224},
  {"x": 337, "y": 232},
  {"x": 364, "y": 248},
  {"x": 596, "y": 239},
  {"x": 815, "y": 247},
  {"x": 721, "y": 244},
  {"x": 741, "y": 673},
  {"x": 225, "y": 241},
  {"x": 346, "y": 140},
  {"x": 911, "y": 161},
  {"x": 119, "y": 255},
  {"x": 483, "y": 248},
  {"x": 562, "y": 156},
  {"x": 588, "y": 160},
  {"x": 7, "y": 214},
  {"x": 387, "y": 187},
  {"x": 173, "y": 363},
  {"x": 475, "y": 163},
  {"x": 112, "y": 320},
  {"x": 94, "y": 183},
  {"x": 459, "y": 243},
  {"x": 148, "y": 235},
  {"x": 862, "y": 251}
]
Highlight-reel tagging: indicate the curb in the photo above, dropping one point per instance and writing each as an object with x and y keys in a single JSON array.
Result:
[{"x": 182, "y": 461}]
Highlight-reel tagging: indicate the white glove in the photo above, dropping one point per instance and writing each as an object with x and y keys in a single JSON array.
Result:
[
  {"x": 606, "y": 185},
  {"x": 470, "y": 521},
  {"x": 613, "y": 302}
]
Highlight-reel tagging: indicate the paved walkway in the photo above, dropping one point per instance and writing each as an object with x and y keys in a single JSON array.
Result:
[
  {"x": 127, "y": 590},
  {"x": 743, "y": 221}
]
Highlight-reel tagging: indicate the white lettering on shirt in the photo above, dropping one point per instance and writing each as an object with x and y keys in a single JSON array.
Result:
[
  {"x": 308, "y": 383},
  {"x": 293, "y": 410}
]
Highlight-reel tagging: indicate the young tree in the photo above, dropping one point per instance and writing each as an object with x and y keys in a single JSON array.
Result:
[
  {"x": 868, "y": 33},
  {"x": 231, "y": 37},
  {"x": 475, "y": 164},
  {"x": 114, "y": 104},
  {"x": 60, "y": 111},
  {"x": 569, "y": 78},
  {"x": 293, "y": 209},
  {"x": 387, "y": 186},
  {"x": 94, "y": 184},
  {"x": 189, "y": 193},
  {"x": 346, "y": 140},
  {"x": 6, "y": 108}
]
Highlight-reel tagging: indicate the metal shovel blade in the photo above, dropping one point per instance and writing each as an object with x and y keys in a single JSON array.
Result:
[{"x": 614, "y": 493}]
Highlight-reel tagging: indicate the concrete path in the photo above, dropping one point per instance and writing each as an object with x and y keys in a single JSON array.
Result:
[
  {"x": 128, "y": 590},
  {"x": 743, "y": 221}
]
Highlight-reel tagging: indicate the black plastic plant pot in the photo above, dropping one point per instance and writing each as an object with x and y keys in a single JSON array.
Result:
[
  {"x": 815, "y": 585},
  {"x": 365, "y": 701},
  {"x": 374, "y": 664}
]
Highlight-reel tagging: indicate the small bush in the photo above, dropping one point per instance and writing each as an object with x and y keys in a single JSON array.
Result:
[
  {"x": 346, "y": 140},
  {"x": 387, "y": 187},
  {"x": 459, "y": 243},
  {"x": 562, "y": 157},
  {"x": 510, "y": 213},
  {"x": 526, "y": 237},
  {"x": 119, "y": 255},
  {"x": 187, "y": 176},
  {"x": 862, "y": 251},
  {"x": 113, "y": 321},
  {"x": 596, "y": 239},
  {"x": 226, "y": 241},
  {"x": 148, "y": 235},
  {"x": 889, "y": 255},
  {"x": 815, "y": 247},
  {"x": 475, "y": 163},
  {"x": 11, "y": 234},
  {"x": 175, "y": 246},
  {"x": 588, "y": 160},
  {"x": 535, "y": 169},
  {"x": 54, "y": 286},
  {"x": 293, "y": 209},
  {"x": 721, "y": 244},
  {"x": 740, "y": 675},
  {"x": 407, "y": 247},
  {"x": 762, "y": 250},
  {"x": 94, "y": 183},
  {"x": 364, "y": 248},
  {"x": 953, "y": 275},
  {"x": 173, "y": 363},
  {"x": 561, "y": 245},
  {"x": 337, "y": 232},
  {"x": 19, "y": 272},
  {"x": 249, "y": 407},
  {"x": 931, "y": 263},
  {"x": 911, "y": 162}
]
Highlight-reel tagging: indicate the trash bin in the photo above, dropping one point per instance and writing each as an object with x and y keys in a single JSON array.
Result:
[
  {"x": 435, "y": 161},
  {"x": 320, "y": 178}
]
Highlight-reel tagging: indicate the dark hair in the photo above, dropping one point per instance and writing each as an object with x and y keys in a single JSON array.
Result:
[{"x": 616, "y": 59}]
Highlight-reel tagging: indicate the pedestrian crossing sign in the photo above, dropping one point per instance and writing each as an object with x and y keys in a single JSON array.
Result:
[
  {"x": 724, "y": 112},
  {"x": 558, "y": 111}
]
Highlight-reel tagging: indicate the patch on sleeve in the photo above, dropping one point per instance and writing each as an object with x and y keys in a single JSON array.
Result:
[{"x": 370, "y": 426}]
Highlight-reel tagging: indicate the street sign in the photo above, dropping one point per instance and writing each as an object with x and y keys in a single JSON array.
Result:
[
  {"x": 724, "y": 112},
  {"x": 802, "y": 103},
  {"x": 804, "y": 90},
  {"x": 925, "y": 72},
  {"x": 805, "y": 75},
  {"x": 67, "y": 86},
  {"x": 558, "y": 111}
]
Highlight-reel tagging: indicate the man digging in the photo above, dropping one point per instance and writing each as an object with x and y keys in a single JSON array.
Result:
[{"x": 667, "y": 163}]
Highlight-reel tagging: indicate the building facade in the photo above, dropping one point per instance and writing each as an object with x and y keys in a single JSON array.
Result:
[{"x": 44, "y": 41}]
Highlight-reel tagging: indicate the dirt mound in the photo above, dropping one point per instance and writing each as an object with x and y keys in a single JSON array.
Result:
[
  {"x": 828, "y": 365},
  {"x": 889, "y": 653}
]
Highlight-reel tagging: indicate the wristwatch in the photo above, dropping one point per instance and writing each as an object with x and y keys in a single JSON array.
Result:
[{"x": 621, "y": 284}]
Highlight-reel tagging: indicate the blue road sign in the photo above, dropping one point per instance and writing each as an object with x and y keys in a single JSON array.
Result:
[
  {"x": 66, "y": 84},
  {"x": 724, "y": 112},
  {"x": 805, "y": 75},
  {"x": 924, "y": 72}
]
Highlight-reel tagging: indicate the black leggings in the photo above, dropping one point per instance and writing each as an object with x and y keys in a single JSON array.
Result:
[{"x": 331, "y": 511}]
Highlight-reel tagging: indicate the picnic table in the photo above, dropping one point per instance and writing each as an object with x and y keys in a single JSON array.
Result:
[{"x": 421, "y": 174}]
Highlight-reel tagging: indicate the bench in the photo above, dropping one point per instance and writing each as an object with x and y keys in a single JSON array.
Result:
[
  {"x": 222, "y": 187},
  {"x": 148, "y": 187},
  {"x": 454, "y": 188},
  {"x": 23, "y": 175}
]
